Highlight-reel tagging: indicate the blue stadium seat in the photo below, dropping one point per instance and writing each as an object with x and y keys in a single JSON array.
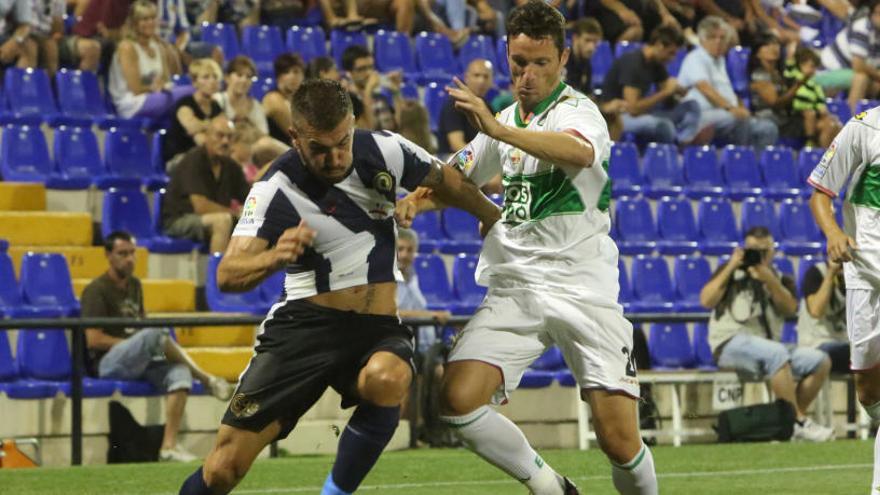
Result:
[
  {"x": 601, "y": 61},
  {"x": 759, "y": 212},
  {"x": 433, "y": 281},
  {"x": 670, "y": 347},
  {"x": 624, "y": 47},
  {"x": 839, "y": 108},
  {"x": 464, "y": 285},
  {"x": 780, "y": 174},
  {"x": 741, "y": 173},
  {"x": 45, "y": 283},
  {"x": 394, "y": 53},
  {"x": 676, "y": 226},
  {"x": 181, "y": 79},
  {"x": 537, "y": 379},
  {"x": 462, "y": 230},
  {"x": 79, "y": 94},
  {"x": 124, "y": 152},
  {"x": 43, "y": 356},
  {"x": 691, "y": 274},
  {"x": 674, "y": 66},
  {"x": 309, "y": 42},
  {"x": 434, "y": 52},
  {"x": 222, "y": 35},
  {"x": 784, "y": 265},
  {"x": 127, "y": 209},
  {"x": 137, "y": 388},
  {"x": 625, "y": 296},
  {"x": 501, "y": 56},
  {"x": 702, "y": 351},
  {"x": 623, "y": 169},
  {"x": 435, "y": 96},
  {"x": 865, "y": 105},
  {"x": 24, "y": 157},
  {"x": 261, "y": 86},
  {"x": 11, "y": 303},
  {"x": 77, "y": 157},
  {"x": 477, "y": 46},
  {"x": 164, "y": 243},
  {"x": 8, "y": 367},
  {"x": 262, "y": 44},
  {"x": 28, "y": 92},
  {"x": 9, "y": 382},
  {"x": 272, "y": 288},
  {"x": 636, "y": 229},
  {"x": 799, "y": 233},
  {"x": 550, "y": 360},
  {"x": 737, "y": 68},
  {"x": 789, "y": 333},
  {"x": 156, "y": 159},
  {"x": 662, "y": 169},
  {"x": 807, "y": 160},
  {"x": 231, "y": 302},
  {"x": 427, "y": 224},
  {"x": 702, "y": 174},
  {"x": 717, "y": 227},
  {"x": 341, "y": 39},
  {"x": 652, "y": 287}
]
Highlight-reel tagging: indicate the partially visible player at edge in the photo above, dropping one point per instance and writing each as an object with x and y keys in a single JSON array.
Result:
[
  {"x": 854, "y": 158},
  {"x": 337, "y": 324},
  {"x": 550, "y": 266}
]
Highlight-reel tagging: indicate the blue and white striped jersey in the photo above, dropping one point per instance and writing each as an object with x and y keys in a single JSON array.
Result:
[{"x": 355, "y": 242}]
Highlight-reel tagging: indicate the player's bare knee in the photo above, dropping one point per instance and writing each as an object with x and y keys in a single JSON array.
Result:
[
  {"x": 868, "y": 392},
  {"x": 222, "y": 470},
  {"x": 386, "y": 385},
  {"x": 458, "y": 401},
  {"x": 618, "y": 445}
]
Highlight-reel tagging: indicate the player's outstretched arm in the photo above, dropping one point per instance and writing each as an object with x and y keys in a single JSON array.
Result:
[
  {"x": 248, "y": 260},
  {"x": 839, "y": 244},
  {"x": 449, "y": 187}
]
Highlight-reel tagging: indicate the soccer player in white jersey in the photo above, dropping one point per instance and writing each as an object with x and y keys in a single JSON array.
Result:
[
  {"x": 550, "y": 266},
  {"x": 324, "y": 213},
  {"x": 854, "y": 159}
]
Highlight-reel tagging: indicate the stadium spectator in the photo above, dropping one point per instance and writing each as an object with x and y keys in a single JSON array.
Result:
[
  {"x": 454, "y": 129},
  {"x": 323, "y": 67},
  {"x": 401, "y": 13},
  {"x": 47, "y": 28},
  {"x": 822, "y": 316},
  {"x": 851, "y": 61},
  {"x": 283, "y": 13},
  {"x": 16, "y": 45},
  {"x": 659, "y": 116},
  {"x": 704, "y": 71},
  {"x": 139, "y": 74},
  {"x": 365, "y": 89},
  {"x": 236, "y": 101},
  {"x": 101, "y": 18},
  {"x": 289, "y": 74},
  {"x": 411, "y": 302},
  {"x": 242, "y": 151},
  {"x": 176, "y": 32},
  {"x": 193, "y": 114},
  {"x": 146, "y": 354},
  {"x": 629, "y": 20},
  {"x": 206, "y": 191},
  {"x": 749, "y": 300},
  {"x": 239, "y": 13},
  {"x": 447, "y": 17},
  {"x": 685, "y": 13},
  {"x": 773, "y": 94},
  {"x": 819, "y": 125},
  {"x": 415, "y": 124}
]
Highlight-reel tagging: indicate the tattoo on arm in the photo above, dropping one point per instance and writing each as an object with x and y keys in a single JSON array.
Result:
[
  {"x": 368, "y": 298},
  {"x": 435, "y": 175}
]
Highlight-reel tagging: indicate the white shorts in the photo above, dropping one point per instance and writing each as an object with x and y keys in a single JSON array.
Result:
[
  {"x": 514, "y": 326},
  {"x": 863, "y": 327}
]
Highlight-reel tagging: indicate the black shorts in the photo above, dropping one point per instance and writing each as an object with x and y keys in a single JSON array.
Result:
[{"x": 303, "y": 349}]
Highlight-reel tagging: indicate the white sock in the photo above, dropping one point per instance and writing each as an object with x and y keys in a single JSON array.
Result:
[
  {"x": 496, "y": 439},
  {"x": 875, "y": 486},
  {"x": 637, "y": 476}
]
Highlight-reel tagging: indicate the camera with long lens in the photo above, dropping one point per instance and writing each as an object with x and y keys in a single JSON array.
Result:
[{"x": 752, "y": 257}]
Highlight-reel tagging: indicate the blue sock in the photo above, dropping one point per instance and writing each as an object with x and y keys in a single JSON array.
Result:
[
  {"x": 195, "y": 484},
  {"x": 368, "y": 432},
  {"x": 330, "y": 487}
]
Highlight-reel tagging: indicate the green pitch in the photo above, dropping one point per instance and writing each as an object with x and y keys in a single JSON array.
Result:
[{"x": 841, "y": 467}]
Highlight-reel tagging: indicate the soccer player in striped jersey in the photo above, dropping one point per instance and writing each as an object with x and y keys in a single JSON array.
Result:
[{"x": 325, "y": 213}]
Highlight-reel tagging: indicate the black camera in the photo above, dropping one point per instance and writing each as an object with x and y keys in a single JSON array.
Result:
[{"x": 752, "y": 257}]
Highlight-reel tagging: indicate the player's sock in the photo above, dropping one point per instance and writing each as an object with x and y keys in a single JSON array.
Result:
[
  {"x": 366, "y": 435},
  {"x": 875, "y": 486},
  {"x": 195, "y": 484},
  {"x": 496, "y": 439},
  {"x": 637, "y": 476},
  {"x": 330, "y": 487}
]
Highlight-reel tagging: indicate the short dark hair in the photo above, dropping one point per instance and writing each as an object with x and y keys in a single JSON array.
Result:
[
  {"x": 321, "y": 103},
  {"x": 286, "y": 62},
  {"x": 537, "y": 20},
  {"x": 667, "y": 36},
  {"x": 116, "y": 235},
  {"x": 352, "y": 54},
  {"x": 241, "y": 63},
  {"x": 319, "y": 65},
  {"x": 803, "y": 54},
  {"x": 586, "y": 25},
  {"x": 758, "y": 232}
]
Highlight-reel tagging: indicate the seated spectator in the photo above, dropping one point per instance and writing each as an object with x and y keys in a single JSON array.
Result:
[
  {"x": 822, "y": 316},
  {"x": 16, "y": 45},
  {"x": 193, "y": 114},
  {"x": 283, "y": 13},
  {"x": 410, "y": 301},
  {"x": 47, "y": 28},
  {"x": 206, "y": 191},
  {"x": 400, "y": 13},
  {"x": 289, "y": 73},
  {"x": 704, "y": 71},
  {"x": 447, "y": 17},
  {"x": 629, "y": 20},
  {"x": 176, "y": 32},
  {"x": 365, "y": 88},
  {"x": 415, "y": 125},
  {"x": 749, "y": 301},
  {"x": 236, "y": 101},
  {"x": 139, "y": 74},
  {"x": 769, "y": 18},
  {"x": 242, "y": 151},
  {"x": 735, "y": 13},
  {"x": 101, "y": 18},
  {"x": 773, "y": 94},
  {"x": 239, "y": 13},
  {"x": 685, "y": 13},
  {"x": 454, "y": 129},
  {"x": 657, "y": 117},
  {"x": 323, "y": 67},
  {"x": 146, "y": 354},
  {"x": 820, "y": 126},
  {"x": 852, "y": 60}
]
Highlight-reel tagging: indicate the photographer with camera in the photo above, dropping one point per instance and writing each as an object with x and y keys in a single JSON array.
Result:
[
  {"x": 750, "y": 301},
  {"x": 822, "y": 316}
]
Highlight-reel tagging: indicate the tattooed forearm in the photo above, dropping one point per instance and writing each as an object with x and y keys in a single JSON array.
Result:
[
  {"x": 435, "y": 175},
  {"x": 368, "y": 298}
]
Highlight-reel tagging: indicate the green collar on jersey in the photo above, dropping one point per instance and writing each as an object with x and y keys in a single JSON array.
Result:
[{"x": 542, "y": 105}]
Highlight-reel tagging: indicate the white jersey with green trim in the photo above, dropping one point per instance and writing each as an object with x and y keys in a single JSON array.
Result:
[
  {"x": 854, "y": 158},
  {"x": 555, "y": 222}
]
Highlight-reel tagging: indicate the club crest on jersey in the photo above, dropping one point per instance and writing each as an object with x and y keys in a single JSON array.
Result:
[{"x": 383, "y": 182}]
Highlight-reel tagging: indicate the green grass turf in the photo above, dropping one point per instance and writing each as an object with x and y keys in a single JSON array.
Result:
[{"x": 841, "y": 467}]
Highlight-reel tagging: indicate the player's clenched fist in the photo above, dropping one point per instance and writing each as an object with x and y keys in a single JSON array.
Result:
[
  {"x": 292, "y": 243},
  {"x": 840, "y": 247}
]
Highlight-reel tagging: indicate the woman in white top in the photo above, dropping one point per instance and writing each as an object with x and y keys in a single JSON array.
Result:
[
  {"x": 236, "y": 101},
  {"x": 139, "y": 75}
]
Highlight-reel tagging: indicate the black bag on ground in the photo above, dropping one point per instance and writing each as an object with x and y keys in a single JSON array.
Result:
[
  {"x": 757, "y": 423},
  {"x": 129, "y": 441}
]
